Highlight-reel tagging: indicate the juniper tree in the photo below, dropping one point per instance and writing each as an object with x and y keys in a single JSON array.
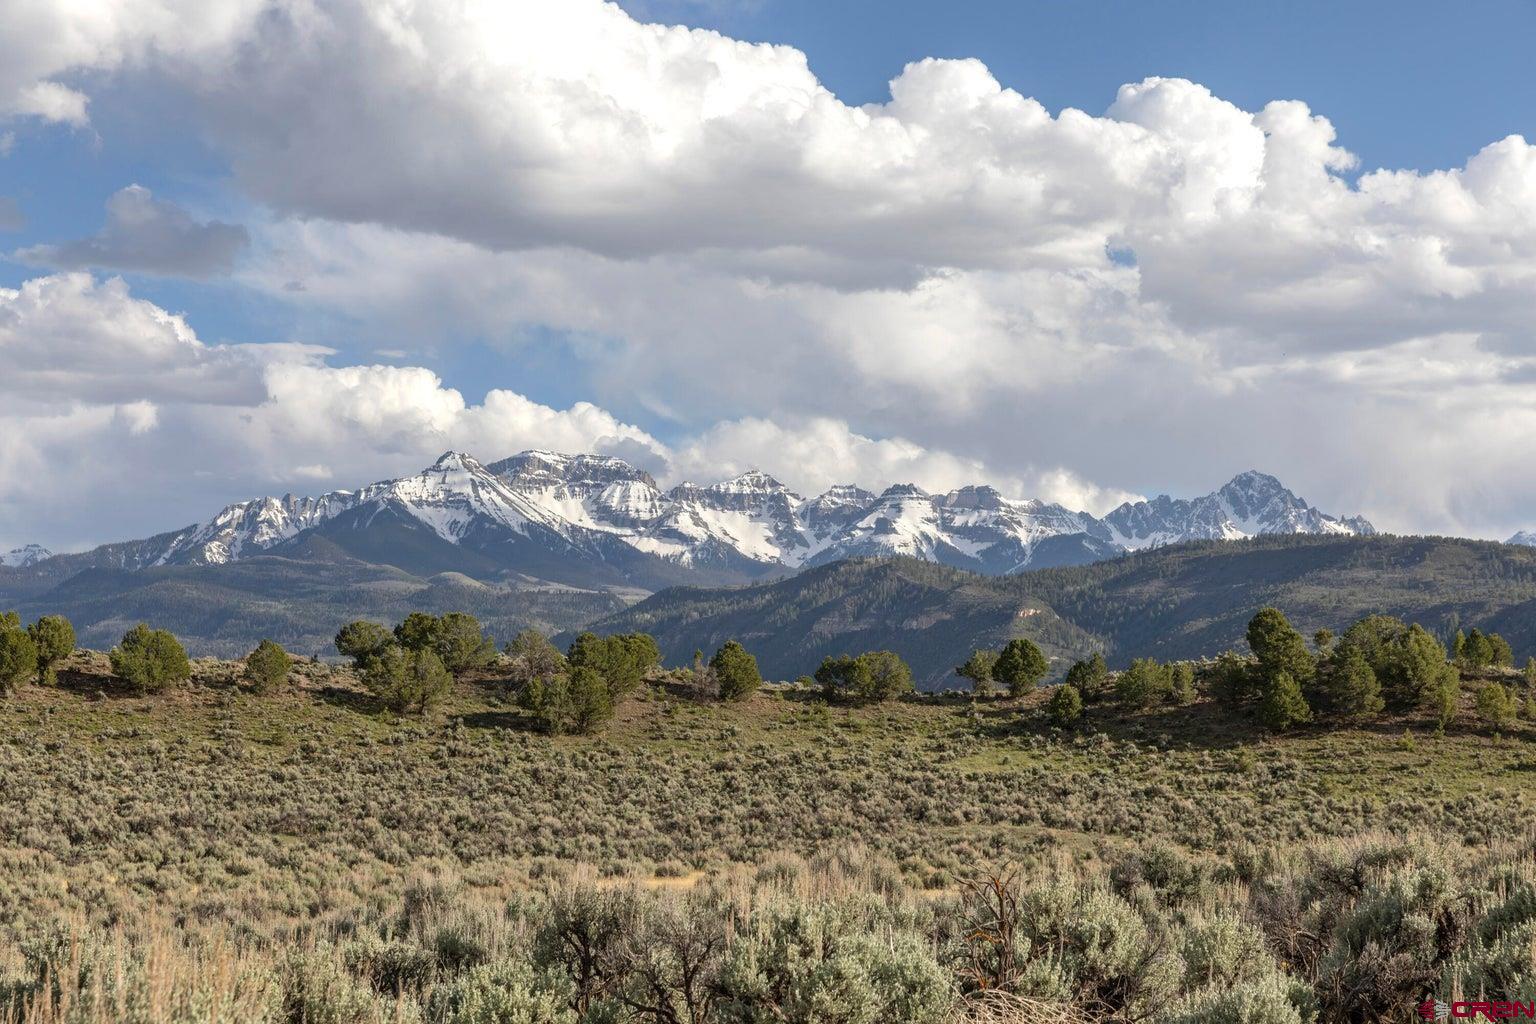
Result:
[
  {"x": 1278, "y": 647},
  {"x": 362, "y": 640},
  {"x": 736, "y": 671},
  {"x": 462, "y": 644},
  {"x": 978, "y": 669},
  {"x": 1282, "y": 704},
  {"x": 267, "y": 667},
  {"x": 18, "y": 654},
  {"x": 1020, "y": 666},
  {"x": 419, "y": 631},
  {"x": 1088, "y": 676},
  {"x": 579, "y": 701},
  {"x": 623, "y": 660},
  {"x": 407, "y": 679},
  {"x": 54, "y": 638},
  {"x": 150, "y": 660},
  {"x": 1065, "y": 706},
  {"x": 1350, "y": 686},
  {"x": 1496, "y": 705},
  {"x": 1143, "y": 684},
  {"x": 1181, "y": 683}
]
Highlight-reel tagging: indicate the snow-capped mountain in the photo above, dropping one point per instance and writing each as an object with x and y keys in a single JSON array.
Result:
[
  {"x": 25, "y": 556},
  {"x": 593, "y": 519},
  {"x": 1526, "y": 537},
  {"x": 1251, "y": 503}
]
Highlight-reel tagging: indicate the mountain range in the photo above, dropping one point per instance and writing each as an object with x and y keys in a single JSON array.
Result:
[
  {"x": 596, "y": 521},
  {"x": 565, "y": 542}
]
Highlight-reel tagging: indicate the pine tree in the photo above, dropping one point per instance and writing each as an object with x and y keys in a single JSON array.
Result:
[
  {"x": 1351, "y": 688},
  {"x": 1282, "y": 704}
]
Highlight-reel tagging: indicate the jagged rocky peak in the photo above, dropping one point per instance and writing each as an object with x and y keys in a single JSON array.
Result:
[
  {"x": 976, "y": 496},
  {"x": 1526, "y": 537},
  {"x": 902, "y": 491},
  {"x": 25, "y": 556},
  {"x": 844, "y": 494},
  {"x": 540, "y": 468}
]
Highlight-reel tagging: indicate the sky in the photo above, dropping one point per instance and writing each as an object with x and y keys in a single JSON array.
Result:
[{"x": 1082, "y": 251}]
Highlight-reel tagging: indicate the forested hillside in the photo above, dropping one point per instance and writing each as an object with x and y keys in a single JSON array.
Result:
[{"x": 1184, "y": 601}]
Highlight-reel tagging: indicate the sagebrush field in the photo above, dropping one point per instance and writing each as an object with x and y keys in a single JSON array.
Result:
[{"x": 304, "y": 855}]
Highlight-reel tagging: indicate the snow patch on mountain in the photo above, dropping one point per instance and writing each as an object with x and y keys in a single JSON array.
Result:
[
  {"x": 1527, "y": 537},
  {"x": 24, "y": 557}
]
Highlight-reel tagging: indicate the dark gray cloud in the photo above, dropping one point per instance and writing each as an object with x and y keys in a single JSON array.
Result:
[{"x": 148, "y": 236}]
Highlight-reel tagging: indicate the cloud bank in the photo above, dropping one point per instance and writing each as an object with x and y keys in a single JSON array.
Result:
[{"x": 740, "y": 257}]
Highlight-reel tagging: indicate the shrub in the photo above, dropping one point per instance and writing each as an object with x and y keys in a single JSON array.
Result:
[
  {"x": 802, "y": 963},
  {"x": 317, "y": 991},
  {"x": 267, "y": 667},
  {"x": 534, "y": 657},
  {"x": 506, "y": 992},
  {"x": 1065, "y": 706},
  {"x": 361, "y": 641},
  {"x": 18, "y": 655},
  {"x": 150, "y": 660},
  {"x": 1020, "y": 666},
  {"x": 54, "y": 638},
  {"x": 736, "y": 671},
  {"x": 404, "y": 679}
]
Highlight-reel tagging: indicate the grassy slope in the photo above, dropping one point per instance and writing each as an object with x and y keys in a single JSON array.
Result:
[{"x": 257, "y": 811}]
